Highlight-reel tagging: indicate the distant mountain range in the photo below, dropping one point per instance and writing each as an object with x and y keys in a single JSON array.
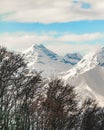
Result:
[
  {"x": 86, "y": 73},
  {"x": 42, "y": 59}
]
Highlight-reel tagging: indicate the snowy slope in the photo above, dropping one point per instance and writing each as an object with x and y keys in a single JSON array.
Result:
[
  {"x": 88, "y": 75},
  {"x": 87, "y": 63},
  {"x": 42, "y": 59}
]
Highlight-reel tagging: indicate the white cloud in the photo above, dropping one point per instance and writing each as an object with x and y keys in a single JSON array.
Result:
[
  {"x": 62, "y": 48},
  {"x": 82, "y": 37},
  {"x": 50, "y": 11},
  {"x": 61, "y": 45}
]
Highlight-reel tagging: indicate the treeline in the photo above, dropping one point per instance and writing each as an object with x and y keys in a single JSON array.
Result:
[{"x": 29, "y": 102}]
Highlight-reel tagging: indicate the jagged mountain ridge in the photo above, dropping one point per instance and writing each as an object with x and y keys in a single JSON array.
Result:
[
  {"x": 88, "y": 75},
  {"x": 88, "y": 62},
  {"x": 42, "y": 59}
]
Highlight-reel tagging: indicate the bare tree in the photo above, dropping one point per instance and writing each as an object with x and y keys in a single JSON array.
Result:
[
  {"x": 29, "y": 103},
  {"x": 59, "y": 107},
  {"x": 17, "y": 91},
  {"x": 92, "y": 116}
]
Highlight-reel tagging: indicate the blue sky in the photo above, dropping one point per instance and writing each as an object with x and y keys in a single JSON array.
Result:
[
  {"x": 63, "y": 26},
  {"x": 78, "y": 27}
]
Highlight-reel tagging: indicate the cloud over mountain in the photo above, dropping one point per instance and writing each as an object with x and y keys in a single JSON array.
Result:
[{"x": 60, "y": 45}]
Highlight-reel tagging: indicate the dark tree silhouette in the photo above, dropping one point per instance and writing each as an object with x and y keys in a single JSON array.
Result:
[
  {"x": 59, "y": 107},
  {"x": 92, "y": 116},
  {"x": 17, "y": 91}
]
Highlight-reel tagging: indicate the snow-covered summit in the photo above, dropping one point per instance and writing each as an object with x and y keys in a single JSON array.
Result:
[
  {"x": 37, "y": 51},
  {"x": 42, "y": 59},
  {"x": 93, "y": 59},
  {"x": 43, "y": 50},
  {"x": 88, "y": 75},
  {"x": 88, "y": 62}
]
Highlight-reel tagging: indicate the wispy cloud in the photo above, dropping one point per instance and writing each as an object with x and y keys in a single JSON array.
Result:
[
  {"x": 81, "y": 37},
  {"x": 62, "y": 48},
  {"x": 62, "y": 44},
  {"x": 51, "y": 11}
]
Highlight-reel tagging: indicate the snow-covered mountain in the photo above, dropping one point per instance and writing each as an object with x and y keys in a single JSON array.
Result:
[
  {"x": 88, "y": 75},
  {"x": 42, "y": 59},
  {"x": 72, "y": 58},
  {"x": 87, "y": 63}
]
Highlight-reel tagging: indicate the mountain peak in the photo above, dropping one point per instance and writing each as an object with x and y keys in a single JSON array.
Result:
[
  {"x": 90, "y": 61},
  {"x": 38, "y": 46},
  {"x": 88, "y": 75},
  {"x": 41, "y": 58},
  {"x": 95, "y": 58},
  {"x": 73, "y": 58},
  {"x": 41, "y": 51},
  {"x": 76, "y": 56},
  {"x": 100, "y": 56}
]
